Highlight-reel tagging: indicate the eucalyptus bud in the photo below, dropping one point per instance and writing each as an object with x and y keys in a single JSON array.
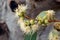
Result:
[
  {"x": 39, "y": 22},
  {"x": 27, "y": 22},
  {"x": 32, "y": 22},
  {"x": 46, "y": 22},
  {"x": 34, "y": 27}
]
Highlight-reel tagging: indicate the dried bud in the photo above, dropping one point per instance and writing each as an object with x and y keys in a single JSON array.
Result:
[{"x": 57, "y": 26}]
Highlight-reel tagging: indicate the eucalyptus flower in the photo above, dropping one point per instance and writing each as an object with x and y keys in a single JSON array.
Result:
[
  {"x": 35, "y": 27},
  {"x": 22, "y": 25},
  {"x": 20, "y": 11},
  {"x": 50, "y": 14},
  {"x": 28, "y": 30},
  {"x": 32, "y": 21}
]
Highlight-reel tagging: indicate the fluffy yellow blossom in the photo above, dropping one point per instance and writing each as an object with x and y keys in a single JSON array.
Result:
[
  {"x": 23, "y": 27},
  {"x": 28, "y": 30},
  {"x": 35, "y": 27},
  {"x": 22, "y": 8},
  {"x": 20, "y": 11},
  {"x": 50, "y": 14}
]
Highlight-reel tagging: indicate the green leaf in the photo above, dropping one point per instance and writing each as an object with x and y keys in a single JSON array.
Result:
[
  {"x": 34, "y": 36},
  {"x": 42, "y": 15},
  {"x": 27, "y": 37},
  {"x": 30, "y": 36}
]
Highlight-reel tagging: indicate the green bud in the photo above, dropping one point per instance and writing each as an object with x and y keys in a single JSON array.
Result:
[
  {"x": 39, "y": 22},
  {"x": 21, "y": 14},
  {"x": 27, "y": 22},
  {"x": 32, "y": 22},
  {"x": 46, "y": 22}
]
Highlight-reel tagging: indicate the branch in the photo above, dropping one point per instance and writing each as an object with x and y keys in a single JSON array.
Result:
[{"x": 54, "y": 20}]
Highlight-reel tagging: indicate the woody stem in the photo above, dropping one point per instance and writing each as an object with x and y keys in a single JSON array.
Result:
[{"x": 54, "y": 20}]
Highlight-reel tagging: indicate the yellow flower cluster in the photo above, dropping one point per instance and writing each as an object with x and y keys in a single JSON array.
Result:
[
  {"x": 27, "y": 29},
  {"x": 28, "y": 26},
  {"x": 25, "y": 25},
  {"x": 35, "y": 27}
]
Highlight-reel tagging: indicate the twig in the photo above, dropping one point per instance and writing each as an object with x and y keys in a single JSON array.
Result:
[{"x": 54, "y": 20}]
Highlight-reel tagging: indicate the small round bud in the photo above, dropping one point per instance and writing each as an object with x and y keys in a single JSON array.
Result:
[
  {"x": 46, "y": 22},
  {"x": 32, "y": 21},
  {"x": 27, "y": 22},
  {"x": 39, "y": 22}
]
